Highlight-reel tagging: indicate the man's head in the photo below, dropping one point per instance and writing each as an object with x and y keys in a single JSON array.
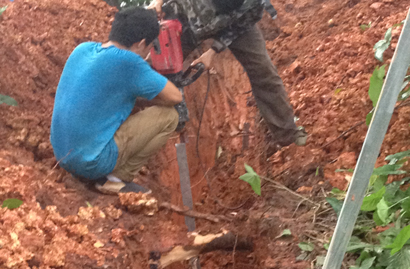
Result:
[{"x": 135, "y": 28}]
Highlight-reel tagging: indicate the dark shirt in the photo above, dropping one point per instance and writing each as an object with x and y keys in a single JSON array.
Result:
[{"x": 205, "y": 22}]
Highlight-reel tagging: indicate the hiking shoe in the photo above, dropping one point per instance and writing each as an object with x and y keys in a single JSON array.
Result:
[
  {"x": 109, "y": 187},
  {"x": 300, "y": 137}
]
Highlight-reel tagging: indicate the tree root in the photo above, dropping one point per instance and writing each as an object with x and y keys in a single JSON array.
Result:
[
  {"x": 194, "y": 214},
  {"x": 202, "y": 244}
]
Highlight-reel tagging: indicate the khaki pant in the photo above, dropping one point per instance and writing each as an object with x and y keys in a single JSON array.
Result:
[
  {"x": 267, "y": 87},
  {"x": 140, "y": 136}
]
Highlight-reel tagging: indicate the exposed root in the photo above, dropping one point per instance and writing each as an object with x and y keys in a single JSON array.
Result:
[
  {"x": 194, "y": 214},
  {"x": 202, "y": 244}
]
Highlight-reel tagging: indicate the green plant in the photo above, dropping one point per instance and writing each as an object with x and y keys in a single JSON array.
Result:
[
  {"x": 284, "y": 233},
  {"x": 364, "y": 27},
  {"x": 12, "y": 203},
  {"x": 252, "y": 178},
  {"x": 381, "y": 238},
  {"x": 2, "y": 9},
  {"x": 382, "y": 45},
  {"x": 7, "y": 100},
  {"x": 376, "y": 85}
]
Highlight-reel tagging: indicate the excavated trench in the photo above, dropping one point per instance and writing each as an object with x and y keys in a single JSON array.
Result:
[{"x": 64, "y": 224}]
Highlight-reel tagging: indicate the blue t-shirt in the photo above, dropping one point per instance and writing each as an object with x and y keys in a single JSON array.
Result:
[{"x": 96, "y": 94}]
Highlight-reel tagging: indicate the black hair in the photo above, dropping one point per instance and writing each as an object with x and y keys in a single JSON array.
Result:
[
  {"x": 227, "y": 6},
  {"x": 133, "y": 24}
]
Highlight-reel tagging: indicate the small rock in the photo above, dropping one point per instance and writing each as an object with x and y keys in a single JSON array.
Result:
[
  {"x": 270, "y": 263},
  {"x": 287, "y": 31},
  {"x": 376, "y": 5},
  {"x": 304, "y": 189},
  {"x": 98, "y": 244},
  {"x": 320, "y": 48},
  {"x": 295, "y": 67}
]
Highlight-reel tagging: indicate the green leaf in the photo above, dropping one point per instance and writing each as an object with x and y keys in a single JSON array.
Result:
[
  {"x": 338, "y": 90},
  {"x": 382, "y": 45},
  {"x": 404, "y": 95},
  {"x": 387, "y": 237},
  {"x": 356, "y": 244},
  {"x": 336, "y": 191},
  {"x": 370, "y": 202},
  {"x": 320, "y": 260},
  {"x": 376, "y": 83},
  {"x": 400, "y": 240},
  {"x": 383, "y": 210},
  {"x": 389, "y": 169},
  {"x": 7, "y": 100},
  {"x": 253, "y": 179},
  {"x": 285, "y": 232},
  {"x": 406, "y": 205},
  {"x": 335, "y": 204},
  {"x": 400, "y": 260},
  {"x": 2, "y": 9},
  {"x": 398, "y": 24},
  {"x": 364, "y": 255},
  {"x": 308, "y": 247},
  {"x": 303, "y": 256},
  {"x": 369, "y": 117},
  {"x": 363, "y": 27},
  {"x": 404, "y": 85},
  {"x": 12, "y": 203},
  {"x": 367, "y": 264},
  {"x": 398, "y": 156},
  {"x": 377, "y": 219},
  {"x": 88, "y": 204},
  {"x": 344, "y": 170},
  {"x": 379, "y": 182}
]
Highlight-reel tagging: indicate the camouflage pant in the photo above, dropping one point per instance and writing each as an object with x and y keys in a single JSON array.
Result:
[{"x": 267, "y": 87}]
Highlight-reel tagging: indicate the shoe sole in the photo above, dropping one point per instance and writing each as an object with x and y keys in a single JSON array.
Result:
[{"x": 111, "y": 188}]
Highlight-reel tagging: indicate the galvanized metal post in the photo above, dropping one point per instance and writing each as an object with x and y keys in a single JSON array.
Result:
[{"x": 370, "y": 150}]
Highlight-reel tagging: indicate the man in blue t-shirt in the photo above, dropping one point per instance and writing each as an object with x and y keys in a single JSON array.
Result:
[{"x": 93, "y": 135}]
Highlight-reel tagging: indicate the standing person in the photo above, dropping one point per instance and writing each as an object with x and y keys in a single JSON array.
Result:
[
  {"x": 94, "y": 137},
  {"x": 232, "y": 24}
]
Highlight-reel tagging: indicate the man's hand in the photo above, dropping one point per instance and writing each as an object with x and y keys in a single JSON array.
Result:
[
  {"x": 157, "y": 5},
  {"x": 206, "y": 59}
]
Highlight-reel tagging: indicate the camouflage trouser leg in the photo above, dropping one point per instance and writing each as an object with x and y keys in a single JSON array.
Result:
[{"x": 267, "y": 87}]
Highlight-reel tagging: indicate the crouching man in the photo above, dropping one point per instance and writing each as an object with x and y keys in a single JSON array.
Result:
[{"x": 93, "y": 135}]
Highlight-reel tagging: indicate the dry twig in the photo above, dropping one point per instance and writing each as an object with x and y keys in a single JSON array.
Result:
[
  {"x": 280, "y": 186},
  {"x": 233, "y": 252}
]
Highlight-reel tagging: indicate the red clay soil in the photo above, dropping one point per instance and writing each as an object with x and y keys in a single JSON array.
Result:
[{"x": 56, "y": 228}]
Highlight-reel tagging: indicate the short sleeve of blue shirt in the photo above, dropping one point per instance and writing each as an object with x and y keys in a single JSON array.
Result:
[{"x": 148, "y": 82}]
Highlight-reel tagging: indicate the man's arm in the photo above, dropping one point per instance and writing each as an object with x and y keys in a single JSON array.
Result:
[
  {"x": 157, "y": 5},
  {"x": 169, "y": 96}
]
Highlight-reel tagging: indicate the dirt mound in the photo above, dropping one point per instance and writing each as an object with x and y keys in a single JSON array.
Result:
[{"x": 37, "y": 38}]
